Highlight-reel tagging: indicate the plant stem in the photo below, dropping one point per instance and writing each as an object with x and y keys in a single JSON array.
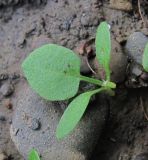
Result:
[
  {"x": 91, "y": 80},
  {"x": 107, "y": 84}
]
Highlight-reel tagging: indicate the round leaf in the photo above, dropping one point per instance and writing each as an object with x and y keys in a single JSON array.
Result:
[{"x": 53, "y": 72}]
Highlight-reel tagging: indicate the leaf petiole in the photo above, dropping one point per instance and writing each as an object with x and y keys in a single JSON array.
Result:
[
  {"x": 107, "y": 84},
  {"x": 91, "y": 80}
]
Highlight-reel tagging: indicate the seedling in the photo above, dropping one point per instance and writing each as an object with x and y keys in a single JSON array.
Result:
[
  {"x": 33, "y": 155},
  {"x": 145, "y": 58},
  {"x": 54, "y": 73}
]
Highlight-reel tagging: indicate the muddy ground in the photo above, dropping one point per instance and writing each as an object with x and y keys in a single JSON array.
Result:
[{"x": 68, "y": 22}]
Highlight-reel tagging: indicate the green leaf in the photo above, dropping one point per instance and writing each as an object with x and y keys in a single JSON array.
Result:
[
  {"x": 145, "y": 58},
  {"x": 53, "y": 72},
  {"x": 103, "y": 47},
  {"x": 73, "y": 113},
  {"x": 33, "y": 155}
]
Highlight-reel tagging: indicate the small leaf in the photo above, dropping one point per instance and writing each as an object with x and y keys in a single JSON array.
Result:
[
  {"x": 103, "y": 47},
  {"x": 145, "y": 58},
  {"x": 73, "y": 113},
  {"x": 33, "y": 155},
  {"x": 53, "y": 72}
]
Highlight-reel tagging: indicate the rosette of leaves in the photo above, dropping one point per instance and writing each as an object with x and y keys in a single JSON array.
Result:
[{"x": 54, "y": 73}]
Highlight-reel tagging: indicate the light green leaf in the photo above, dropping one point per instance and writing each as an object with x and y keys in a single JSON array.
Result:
[
  {"x": 53, "y": 72},
  {"x": 33, "y": 155},
  {"x": 145, "y": 58},
  {"x": 103, "y": 47},
  {"x": 73, "y": 113}
]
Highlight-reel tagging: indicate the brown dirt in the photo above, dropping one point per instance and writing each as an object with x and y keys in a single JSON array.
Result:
[{"x": 68, "y": 23}]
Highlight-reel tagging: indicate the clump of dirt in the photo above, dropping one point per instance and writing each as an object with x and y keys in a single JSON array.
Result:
[
  {"x": 69, "y": 23},
  {"x": 124, "y": 5}
]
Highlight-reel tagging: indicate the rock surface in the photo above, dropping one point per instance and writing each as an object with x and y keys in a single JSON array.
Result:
[
  {"x": 77, "y": 146},
  {"x": 134, "y": 48},
  {"x": 7, "y": 89}
]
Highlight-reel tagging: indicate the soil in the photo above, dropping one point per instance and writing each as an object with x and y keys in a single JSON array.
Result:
[{"x": 27, "y": 24}]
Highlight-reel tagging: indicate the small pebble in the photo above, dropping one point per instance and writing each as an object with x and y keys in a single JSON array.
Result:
[
  {"x": 3, "y": 76},
  {"x": 136, "y": 70},
  {"x": 14, "y": 76},
  {"x": 2, "y": 118},
  {"x": 35, "y": 124},
  {"x": 10, "y": 121},
  {"x": 7, "y": 103},
  {"x": 66, "y": 25},
  {"x": 85, "y": 19},
  {"x": 7, "y": 89},
  {"x": 135, "y": 45}
]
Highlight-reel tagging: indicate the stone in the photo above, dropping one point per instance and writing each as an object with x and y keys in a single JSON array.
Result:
[
  {"x": 134, "y": 49},
  {"x": 34, "y": 124},
  {"x": 7, "y": 89},
  {"x": 136, "y": 70},
  {"x": 4, "y": 76},
  {"x": 85, "y": 19},
  {"x": 67, "y": 22},
  {"x": 88, "y": 19},
  {"x": 125, "y": 5},
  {"x": 118, "y": 63},
  {"x": 76, "y": 146},
  {"x": 7, "y": 103},
  {"x": 2, "y": 118},
  {"x": 135, "y": 46}
]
